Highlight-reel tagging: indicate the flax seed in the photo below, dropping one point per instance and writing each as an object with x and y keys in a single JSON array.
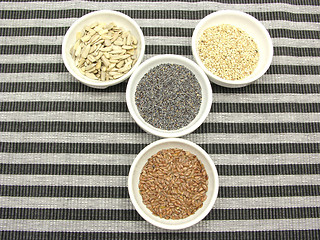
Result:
[{"x": 171, "y": 194}]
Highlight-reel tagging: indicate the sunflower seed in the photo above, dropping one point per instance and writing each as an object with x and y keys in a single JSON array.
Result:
[
  {"x": 115, "y": 36},
  {"x": 126, "y": 47},
  {"x": 93, "y": 48},
  {"x": 118, "y": 75},
  {"x": 85, "y": 38},
  {"x": 103, "y": 32},
  {"x": 89, "y": 67},
  {"x": 117, "y": 51},
  {"x": 103, "y": 76},
  {"x": 98, "y": 28},
  {"x": 104, "y": 51},
  {"x": 125, "y": 34},
  {"x": 85, "y": 51},
  {"x": 100, "y": 54},
  {"x": 107, "y": 42},
  {"x": 79, "y": 35},
  {"x": 124, "y": 69},
  {"x": 99, "y": 41},
  {"x": 111, "y": 66},
  {"x": 93, "y": 25},
  {"x": 110, "y": 26},
  {"x": 105, "y": 61},
  {"x": 116, "y": 61},
  {"x": 91, "y": 75},
  {"x": 129, "y": 39},
  {"x": 72, "y": 52},
  {"x": 82, "y": 71},
  {"x": 81, "y": 62},
  {"x": 92, "y": 70},
  {"x": 98, "y": 65},
  {"x": 94, "y": 38},
  {"x": 113, "y": 73},
  {"x": 91, "y": 58},
  {"x": 91, "y": 32},
  {"x": 120, "y": 64},
  {"x": 124, "y": 56},
  {"x": 116, "y": 56},
  {"x": 134, "y": 40},
  {"x": 131, "y": 52},
  {"x": 118, "y": 42},
  {"x": 78, "y": 51}
]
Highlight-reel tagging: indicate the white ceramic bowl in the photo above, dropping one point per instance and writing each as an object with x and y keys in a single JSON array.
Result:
[
  {"x": 203, "y": 80},
  {"x": 140, "y": 161},
  {"x": 247, "y": 23},
  {"x": 105, "y": 16}
]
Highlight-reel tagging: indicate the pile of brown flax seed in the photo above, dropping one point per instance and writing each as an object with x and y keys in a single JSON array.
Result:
[{"x": 173, "y": 184}]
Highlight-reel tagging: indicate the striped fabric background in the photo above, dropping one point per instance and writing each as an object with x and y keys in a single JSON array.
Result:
[{"x": 66, "y": 149}]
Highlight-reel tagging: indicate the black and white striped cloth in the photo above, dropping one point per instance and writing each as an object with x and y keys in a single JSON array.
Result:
[{"x": 66, "y": 149}]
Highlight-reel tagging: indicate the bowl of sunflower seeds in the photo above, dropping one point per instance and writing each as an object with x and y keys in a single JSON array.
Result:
[
  {"x": 173, "y": 183},
  {"x": 103, "y": 48},
  {"x": 233, "y": 48}
]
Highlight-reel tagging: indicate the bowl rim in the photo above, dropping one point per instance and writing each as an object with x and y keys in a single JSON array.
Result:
[
  {"x": 168, "y": 133},
  {"x": 192, "y": 221},
  {"x": 218, "y": 13},
  {"x": 96, "y": 83}
]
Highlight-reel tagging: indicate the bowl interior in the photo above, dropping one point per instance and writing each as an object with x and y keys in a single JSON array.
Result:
[
  {"x": 174, "y": 59},
  {"x": 105, "y": 16},
  {"x": 247, "y": 23},
  {"x": 138, "y": 165}
]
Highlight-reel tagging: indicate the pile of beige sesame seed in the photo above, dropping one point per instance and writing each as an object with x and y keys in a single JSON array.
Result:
[{"x": 228, "y": 52}]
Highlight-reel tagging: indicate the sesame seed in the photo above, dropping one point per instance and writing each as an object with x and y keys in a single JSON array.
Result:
[{"x": 228, "y": 52}]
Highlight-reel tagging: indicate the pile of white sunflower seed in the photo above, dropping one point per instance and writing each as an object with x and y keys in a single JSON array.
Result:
[{"x": 104, "y": 51}]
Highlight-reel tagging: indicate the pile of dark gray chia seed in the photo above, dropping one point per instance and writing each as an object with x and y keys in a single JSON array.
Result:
[{"x": 168, "y": 96}]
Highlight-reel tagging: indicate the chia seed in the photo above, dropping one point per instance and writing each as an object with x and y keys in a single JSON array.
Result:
[{"x": 168, "y": 97}]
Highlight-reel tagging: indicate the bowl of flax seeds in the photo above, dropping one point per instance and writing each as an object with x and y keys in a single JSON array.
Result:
[
  {"x": 173, "y": 183},
  {"x": 233, "y": 48}
]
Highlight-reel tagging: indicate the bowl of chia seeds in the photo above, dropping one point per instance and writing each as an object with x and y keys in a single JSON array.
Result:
[
  {"x": 233, "y": 48},
  {"x": 173, "y": 183},
  {"x": 169, "y": 96}
]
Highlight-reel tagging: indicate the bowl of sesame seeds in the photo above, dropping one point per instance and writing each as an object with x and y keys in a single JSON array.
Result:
[
  {"x": 233, "y": 48},
  {"x": 173, "y": 183},
  {"x": 103, "y": 48},
  {"x": 169, "y": 96}
]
